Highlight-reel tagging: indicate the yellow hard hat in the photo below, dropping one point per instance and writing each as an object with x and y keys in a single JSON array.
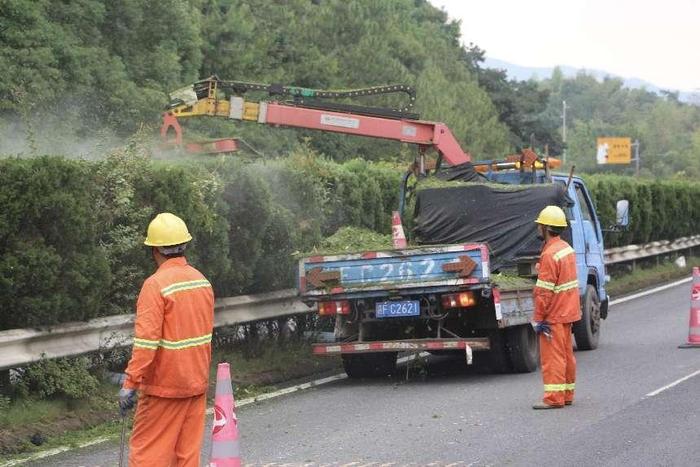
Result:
[
  {"x": 167, "y": 230},
  {"x": 553, "y": 216}
]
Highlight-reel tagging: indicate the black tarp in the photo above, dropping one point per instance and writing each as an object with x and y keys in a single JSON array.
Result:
[
  {"x": 463, "y": 172},
  {"x": 502, "y": 217}
]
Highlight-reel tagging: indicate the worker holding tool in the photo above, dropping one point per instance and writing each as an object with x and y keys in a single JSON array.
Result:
[
  {"x": 557, "y": 306},
  {"x": 171, "y": 355}
]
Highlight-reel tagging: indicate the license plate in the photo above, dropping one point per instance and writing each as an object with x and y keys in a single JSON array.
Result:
[{"x": 398, "y": 309}]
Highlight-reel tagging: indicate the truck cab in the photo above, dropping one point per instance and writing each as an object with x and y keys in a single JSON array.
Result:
[{"x": 585, "y": 235}]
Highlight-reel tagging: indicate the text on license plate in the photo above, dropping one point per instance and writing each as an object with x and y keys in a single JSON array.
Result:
[{"x": 398, "y": 309}]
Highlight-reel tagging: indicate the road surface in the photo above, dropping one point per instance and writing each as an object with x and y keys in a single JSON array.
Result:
[{"x": 459, "y": 416}]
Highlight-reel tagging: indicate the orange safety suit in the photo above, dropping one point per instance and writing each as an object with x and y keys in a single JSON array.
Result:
[
  {"x": 170, "y": 365},
  {"x": 556, "y": 296}
]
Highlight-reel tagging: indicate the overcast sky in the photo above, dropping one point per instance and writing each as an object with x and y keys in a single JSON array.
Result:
[{"x": 657, "y": 41}]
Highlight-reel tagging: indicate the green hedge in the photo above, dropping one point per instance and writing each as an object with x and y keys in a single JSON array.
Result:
[
  {"x": 71, "y": 232},
  {"x": 659, "y": 210}
]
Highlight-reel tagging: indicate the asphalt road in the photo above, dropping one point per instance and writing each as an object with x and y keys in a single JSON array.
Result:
[{"x": 461, "y": 416}]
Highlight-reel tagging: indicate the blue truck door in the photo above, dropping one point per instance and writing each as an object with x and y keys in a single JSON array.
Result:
[
  {"x": 578, "y": 238},
  {"x": 591, "y": 232}
]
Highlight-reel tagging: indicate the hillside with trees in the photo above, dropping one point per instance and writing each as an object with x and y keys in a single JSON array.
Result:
[{"x": 81, "y": 75}]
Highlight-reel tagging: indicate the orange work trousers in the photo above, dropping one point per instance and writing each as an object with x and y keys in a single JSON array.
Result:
[
  {"x": 167, "y": 431},
  {"x": 558, "y": 365}
]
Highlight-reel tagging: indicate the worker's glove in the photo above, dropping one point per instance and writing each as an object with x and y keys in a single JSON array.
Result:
[
  {"x": 127, "y": 399},
  {"x": 542, "y": 327}
]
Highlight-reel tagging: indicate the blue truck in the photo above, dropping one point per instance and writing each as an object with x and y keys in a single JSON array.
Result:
[{"x": 459, "y": 296}]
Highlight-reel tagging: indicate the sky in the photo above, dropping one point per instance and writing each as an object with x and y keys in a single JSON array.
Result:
[{"x": 657, "y": 41}]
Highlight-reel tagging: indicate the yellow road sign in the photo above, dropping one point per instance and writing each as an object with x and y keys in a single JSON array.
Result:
[{"x": 614, "y": 150}]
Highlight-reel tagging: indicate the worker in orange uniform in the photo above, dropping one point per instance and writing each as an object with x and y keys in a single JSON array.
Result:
[
  {"x": 170, "y": 362},
  {"x": 557, "y": 306}
]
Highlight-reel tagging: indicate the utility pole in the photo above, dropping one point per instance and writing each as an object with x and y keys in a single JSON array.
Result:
[
  {"x": 636, "y": 156},
  {"x": 563, "y": 130}
]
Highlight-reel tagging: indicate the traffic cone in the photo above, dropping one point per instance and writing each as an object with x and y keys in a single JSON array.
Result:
[
  {"x": 694, "y": 325},
  {"x": 397, "y": 234},
  {"x": 225, "y": 449}
]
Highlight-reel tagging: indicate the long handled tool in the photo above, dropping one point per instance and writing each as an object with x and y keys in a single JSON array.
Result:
[{"x": 121, "y": 442}]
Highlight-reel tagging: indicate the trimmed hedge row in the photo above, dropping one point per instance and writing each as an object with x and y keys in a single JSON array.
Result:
[
  {"x": 71, "y": 232},
  {"x": 659, "y": 210}
]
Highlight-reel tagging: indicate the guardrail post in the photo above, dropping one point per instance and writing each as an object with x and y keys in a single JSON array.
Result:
[{"x": 5, "y": 386}]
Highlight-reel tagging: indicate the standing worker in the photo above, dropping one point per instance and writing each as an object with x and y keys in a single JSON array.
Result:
[
  {"x": 172, "y": 352},
  {"x": 557, "y": 306}
]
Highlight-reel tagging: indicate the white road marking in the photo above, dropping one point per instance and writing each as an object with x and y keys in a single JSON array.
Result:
[
  {"x": 676, "y": 382},
  {"x": 651, "y": 291}
]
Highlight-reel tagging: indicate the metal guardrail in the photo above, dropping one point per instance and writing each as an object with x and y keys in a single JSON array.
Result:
[
  {"x": 21, "y": 346},
  {"x": 634, "y": 252}
]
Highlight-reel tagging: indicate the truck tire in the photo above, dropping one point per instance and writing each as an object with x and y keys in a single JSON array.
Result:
[
  {"x": 497, "y": 357},
  {"x": 587, "y": 330},
  {"x": 523, "y": 348},
  {"x": 369, "y": 365}
]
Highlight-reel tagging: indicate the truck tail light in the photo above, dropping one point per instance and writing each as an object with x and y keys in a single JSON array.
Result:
[
  {"x": 340, "y": 307},
  {"x": 459, "y": 300}
]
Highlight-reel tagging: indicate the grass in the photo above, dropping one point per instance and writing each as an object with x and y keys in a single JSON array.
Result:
[
  {"x": 351, "y": 240},
  {"x": 435, "y": 182},
  {"x": 511, "y": 282},
  {"x": 642, "y": 278}
]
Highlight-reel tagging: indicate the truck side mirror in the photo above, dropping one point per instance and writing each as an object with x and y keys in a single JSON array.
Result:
[{"x": 622, "y": 219}]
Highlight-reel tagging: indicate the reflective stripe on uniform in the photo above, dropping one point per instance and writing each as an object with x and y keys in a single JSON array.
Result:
[
  {"x": 185, "y": 343},
  {"x": 181, "y": 286},
  {"x": 545, "y": 285},
  {"x": 172, "y": 345},
  {"x": 570, "y": 386},
  {"x": 145, "y": 343},
  {"x": 563, "y": 253},
  {"x": 566, "y": 286},
  {"x": 554, "y": 387}
]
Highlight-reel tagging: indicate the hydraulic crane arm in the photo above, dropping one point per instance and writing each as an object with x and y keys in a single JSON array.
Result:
[{"x": 390, "y": 124}]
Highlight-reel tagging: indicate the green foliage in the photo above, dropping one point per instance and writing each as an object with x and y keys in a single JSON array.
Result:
[
  {"x": 666, "y": 129},
  {"x": 521, "y": 105},
  {"x": 77, "y": 68},
  {"x": 352, "y": 240},
  {"x": 71, "y": 232},
  {"x": 60, "y": 377},
  {"x": 52, "y": 267},
  {"x": 659, "y": 210}
]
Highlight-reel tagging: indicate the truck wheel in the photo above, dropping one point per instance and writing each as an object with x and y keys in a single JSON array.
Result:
[
  {"x": 497, "y": 356},
  {"x": 523, "y": 348},
  {"x": 587, "y": 330},
  {"x": 369, "y": 365}
]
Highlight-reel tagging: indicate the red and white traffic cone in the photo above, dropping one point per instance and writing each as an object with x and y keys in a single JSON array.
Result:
[
  {"x": 694, "y": 325},
  {"x": 225, "y": 448},
  {"x": 397, "y": 235}
]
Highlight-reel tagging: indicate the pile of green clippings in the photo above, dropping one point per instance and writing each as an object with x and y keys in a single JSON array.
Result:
[
  {"x": 435, "y": 182},
  {"x": 352, "y": 240},
  {"x": 512, "y": 282}
]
